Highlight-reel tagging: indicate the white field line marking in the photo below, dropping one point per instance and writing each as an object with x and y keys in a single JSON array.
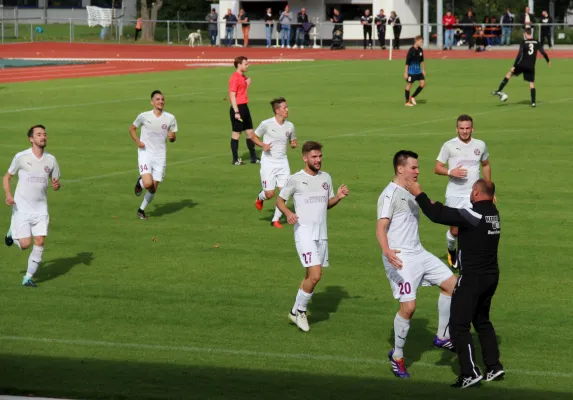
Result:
[
  {"x": 27, "y": 70},
  {"x": 134, "y": 170},
  {"x": 229, "y": 60},
  {"x": 250, "y": 353},
  {"x": 88, "y": 104},
  {"x": 73, "y": 74}
]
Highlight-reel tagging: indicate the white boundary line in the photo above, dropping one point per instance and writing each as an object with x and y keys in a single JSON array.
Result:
[
  {"x": 251, "y": 353},
  {"x": 197, "y": 59}
]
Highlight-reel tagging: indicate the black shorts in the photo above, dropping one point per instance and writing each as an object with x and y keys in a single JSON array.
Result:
[
  {"x": 416, "y": 77},
  {"x": 528, "y": 74},
  {"x": 247, "y": 123}
]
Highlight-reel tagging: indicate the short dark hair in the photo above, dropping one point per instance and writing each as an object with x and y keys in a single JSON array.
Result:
[
  {"x": 528, "y": 31},
  {"x": 156, "y": 92},
  {"x": 464, "y": 118},
  {"x": 276, "y": 103},
  {"x": 309, "y": 146},
  {"x": 401, "y": 158},
  {"x": 486, "y": 187},
  {"x": 31, "y": 130},
  {"x": 239, "y": 60}
]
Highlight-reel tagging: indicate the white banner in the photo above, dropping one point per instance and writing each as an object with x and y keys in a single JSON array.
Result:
[{"x": 99, "y": 16}]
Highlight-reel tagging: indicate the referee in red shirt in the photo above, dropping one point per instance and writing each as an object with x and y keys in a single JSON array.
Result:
[{"x": 240, "y": 115}]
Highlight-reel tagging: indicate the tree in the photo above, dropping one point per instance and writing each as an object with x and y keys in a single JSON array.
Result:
[{"x": 148, "y": 27}]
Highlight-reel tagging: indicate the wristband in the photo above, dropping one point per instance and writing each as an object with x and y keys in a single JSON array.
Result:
[{"x": 449, "y": 172}]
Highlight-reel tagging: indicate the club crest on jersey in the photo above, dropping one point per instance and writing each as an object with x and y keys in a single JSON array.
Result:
[
  {"x": 477, "y": 152},
  {"x": 325, "y": 186},
  {"x": 287, "y": 133},
  {"x": 47, "y": 169},
  {"x": 164, "y": 127}
]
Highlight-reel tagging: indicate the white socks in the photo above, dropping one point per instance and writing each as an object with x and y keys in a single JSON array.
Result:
[
  {"x": 262, "y": 196},
  {"x": 278, "y": 214},
  {"x": 141, "y": 183},
  {"x": 301, "y": 302},
  {"x": 444, "y": 303},
  {"x": 451, "y": 240},
  {"x": 147, "y": 199},
  {"x": 34, "y": 260},
  {"x": 17, "y": 243},
  {"x": 401, "y": 328}
]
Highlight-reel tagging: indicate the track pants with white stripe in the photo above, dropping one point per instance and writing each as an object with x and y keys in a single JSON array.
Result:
[{"x": 471, "y": 303}]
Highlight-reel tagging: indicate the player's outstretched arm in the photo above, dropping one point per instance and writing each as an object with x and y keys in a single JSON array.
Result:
[
  {"x": 7, "y": 190},
  {"x": 291, "y": 217},
  {"x": 343, "y": 191}
]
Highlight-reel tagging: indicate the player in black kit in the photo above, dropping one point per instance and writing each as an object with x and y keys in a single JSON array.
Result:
[{"x": 524, "y": 64}]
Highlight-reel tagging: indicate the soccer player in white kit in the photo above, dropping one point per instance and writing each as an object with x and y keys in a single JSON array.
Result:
[
  {"x": 312, "y": 192},
  {"x": 276, "y": 133},
  {"x": 156, "y": 127},
  {"x": 408, "y": 265},
  {"x": 36, "y": 170},
  {"x": 463, "y": 155}
]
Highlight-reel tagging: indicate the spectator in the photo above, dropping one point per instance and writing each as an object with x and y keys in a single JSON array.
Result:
[
  {"x": 507, "y": 20},
  {"x": 468, "y": 27},
  {"x": 286, "y": 21},
  {"x": 245, "y": 26},
  {"x": 381, "y": 22},
  {"x": 212, "y": 18},
  {"x": 448, "y": 22},
  {"x": 269, "y": 22},
  {"x": 527, "y": 19},
  {"x": 337, "y": 20},
  {"x": 394, "y": 20},
  {"x": 546, "y": 22},
  {"x": 481, "y": 41},
  {"x": 366, "y": 21},
  {"x": 301, "y": 19},
  {"x": 230, "y": 26},
  {"x": 138, "y": 28}
]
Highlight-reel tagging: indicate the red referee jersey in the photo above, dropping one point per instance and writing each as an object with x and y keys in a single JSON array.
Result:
[{"x": 238, "y": 84}]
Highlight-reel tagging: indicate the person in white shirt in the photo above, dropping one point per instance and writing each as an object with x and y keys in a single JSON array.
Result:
[
  {"x": 36, "y": 170},
  {"x": 156, "y": 127},
  {"x": 463, "y": 155},
  {"x": 408, "y": 265},
  {"x": 312, "y": 192},
  {"x": 276, "y": 133}
]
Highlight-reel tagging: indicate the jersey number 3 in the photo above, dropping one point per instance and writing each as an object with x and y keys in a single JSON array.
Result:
[{"x": 531, "y": 49}]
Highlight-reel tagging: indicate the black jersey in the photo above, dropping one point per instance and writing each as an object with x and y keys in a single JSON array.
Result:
[{"x": 528, "y": 54}]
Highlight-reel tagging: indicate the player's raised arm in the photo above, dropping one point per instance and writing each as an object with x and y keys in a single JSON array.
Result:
[{"x": 342, "y": 192}]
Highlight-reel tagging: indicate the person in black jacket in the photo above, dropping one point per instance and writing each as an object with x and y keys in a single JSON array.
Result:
[
  {"x": 546, "y": 22},
  {"x": 527, "y": 19},
  {"x": 468, "y": 27},
  {"x": 394, "y": 20},
  {"x": 478, "y": 241},
  {"x": 366, "y": 21}
]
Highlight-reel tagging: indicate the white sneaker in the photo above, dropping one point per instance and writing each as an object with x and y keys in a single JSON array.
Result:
[
  {"x": 302, "y": 322},
  {"x": 283, "y": 46},
  {"x": 302, "y": 47},
  {"x": 292, "y": 317},
  {"x": 295, "y": 47},
  {"x": 288, "y": 47}
]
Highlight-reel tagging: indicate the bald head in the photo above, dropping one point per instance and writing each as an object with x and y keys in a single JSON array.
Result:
[{"x": 482, "y": 190}]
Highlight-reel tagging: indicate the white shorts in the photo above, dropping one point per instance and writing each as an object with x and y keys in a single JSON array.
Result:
[
  {"x": 458, "y": 202},
  {"x": 312, "y": 252},
  {"x": 28, "y": 225},
  {"x": 148, "y": 164},
  {"x": 417, "y": 269},
  {"x": 274, "y": 175}
]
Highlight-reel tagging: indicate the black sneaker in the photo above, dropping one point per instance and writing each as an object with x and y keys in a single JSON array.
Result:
[
  {"x": 8, "y": 239},
  {"x": 28, "y": 282},
  {"x": 256, "y": 161},
  {"x": 138, "y": 188},
  {"x": 465, "y": 382},
  {"x": 141, "y": 214},
  {"x": 238, "y": 161},
  {"x": 453, "y": 258},
  {"x": 494, "y": 375}
]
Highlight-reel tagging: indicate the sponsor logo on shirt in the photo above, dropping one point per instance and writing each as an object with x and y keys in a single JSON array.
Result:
[
  {"x": 315, "y": 199},
  {"x": 37, "y": 179}
]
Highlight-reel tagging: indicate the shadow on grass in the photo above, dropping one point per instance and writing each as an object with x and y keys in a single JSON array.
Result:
[
  {"x": 325, "y": 303},
  {"x": 171, "y": 208},
  {"x": 102, "y": 379},
  {"x": 53, "y": 269}
]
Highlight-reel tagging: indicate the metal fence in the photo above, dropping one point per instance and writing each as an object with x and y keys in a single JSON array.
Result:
[{"x": 178, "y": 32}]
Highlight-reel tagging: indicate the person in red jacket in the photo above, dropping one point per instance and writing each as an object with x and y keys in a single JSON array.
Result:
[{"x": 449, "y": 21}]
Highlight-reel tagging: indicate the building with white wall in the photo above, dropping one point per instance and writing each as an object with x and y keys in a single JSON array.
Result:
[{"x": 409, "y": 12}]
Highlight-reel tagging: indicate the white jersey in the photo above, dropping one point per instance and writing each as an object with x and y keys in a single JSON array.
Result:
[
  {"x": 468, "y": 155},
  {"x": 278, "y": 136},
  {"x": 154, "y": 131},
  {"x": 34, "y": 176},
  {"x": 400, "y": 207},
  {"x": 311, "y": 195}
]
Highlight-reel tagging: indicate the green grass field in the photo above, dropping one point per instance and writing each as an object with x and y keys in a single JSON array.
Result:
[{"x": 118, "y": 315}]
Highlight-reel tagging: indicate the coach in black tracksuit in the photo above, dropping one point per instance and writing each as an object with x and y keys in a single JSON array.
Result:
[{"x": 478, "y": 240}]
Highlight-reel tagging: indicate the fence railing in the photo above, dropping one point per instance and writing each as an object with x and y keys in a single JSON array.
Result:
[{"x": 179, "y": 32}]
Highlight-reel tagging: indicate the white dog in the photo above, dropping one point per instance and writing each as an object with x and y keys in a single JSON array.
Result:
[{"x": 195, "y": 37}]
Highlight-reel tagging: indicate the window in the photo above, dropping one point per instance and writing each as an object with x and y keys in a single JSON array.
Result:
[
  {"x": 106, "y": 3},
  {"x": 258, "y": 9},
  {"x": 20, "y": 3},
  {"x": 350, "y": 12},
  {"x": 65, "y": 3}
]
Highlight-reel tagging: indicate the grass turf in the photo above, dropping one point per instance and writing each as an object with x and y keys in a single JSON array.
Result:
[{"x": 193, "y": 302}]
